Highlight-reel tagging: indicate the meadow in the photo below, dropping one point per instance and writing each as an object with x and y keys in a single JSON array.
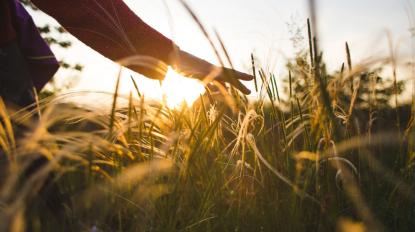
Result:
[{"x": 323, "y": 152}]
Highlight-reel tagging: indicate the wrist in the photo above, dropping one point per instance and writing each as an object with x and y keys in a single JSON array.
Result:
[{"x": 174, "y": 56}]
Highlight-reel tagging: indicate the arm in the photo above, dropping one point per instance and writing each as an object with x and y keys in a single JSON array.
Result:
[{"x": 112, "y": 29}]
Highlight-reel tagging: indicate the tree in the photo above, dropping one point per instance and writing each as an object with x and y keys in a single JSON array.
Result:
[{"x": 49, "y": 33}]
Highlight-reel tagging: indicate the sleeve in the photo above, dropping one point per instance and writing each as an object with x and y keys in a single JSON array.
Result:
[{"x": 112, "y": 29}]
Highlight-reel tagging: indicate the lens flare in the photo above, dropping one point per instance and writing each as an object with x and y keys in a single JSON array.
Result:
[{"x": 178, "y": 90}]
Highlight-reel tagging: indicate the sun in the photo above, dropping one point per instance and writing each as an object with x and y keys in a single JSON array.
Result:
[{"x": 177, "y": 89}]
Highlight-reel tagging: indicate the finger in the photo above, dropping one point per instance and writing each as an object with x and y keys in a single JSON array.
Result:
[
  {"x": 242, "y": 88},
  {"x": 225, "y": 76},
  {"x": 238, "y": 84},
  {"x": 244, "y": 76},
  {"x": 222, "y": 83},
  {"x": 238, "y": 75}
]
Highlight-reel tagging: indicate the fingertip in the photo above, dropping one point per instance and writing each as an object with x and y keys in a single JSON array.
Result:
[
  {"x": 250, "y": 78},
  {"x": 247, "y": 77},
  {"x": 245, "y": 90}
]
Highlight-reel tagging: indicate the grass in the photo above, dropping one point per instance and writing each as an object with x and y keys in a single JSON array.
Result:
[
  {"x": 146, "y": 167},
  {"x": 329, "y": 157}
]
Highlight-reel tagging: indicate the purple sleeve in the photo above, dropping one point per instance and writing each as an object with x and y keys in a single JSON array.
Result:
[{"x": 42, "y": 63}]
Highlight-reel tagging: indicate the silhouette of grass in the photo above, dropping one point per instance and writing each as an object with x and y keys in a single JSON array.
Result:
[{"x": 325, "y": 157}]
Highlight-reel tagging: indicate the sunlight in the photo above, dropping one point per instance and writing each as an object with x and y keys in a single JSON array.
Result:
[{"x": 178, "y": 89}]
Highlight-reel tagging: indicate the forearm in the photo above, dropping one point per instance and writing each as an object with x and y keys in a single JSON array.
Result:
[{"x": 109, "y": 27}]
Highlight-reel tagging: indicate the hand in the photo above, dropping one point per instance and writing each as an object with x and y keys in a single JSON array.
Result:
[
  {"x": 194, "y": 67},
  {"x": 189, "y": 66}
]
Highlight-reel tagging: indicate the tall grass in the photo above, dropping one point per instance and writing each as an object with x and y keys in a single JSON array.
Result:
[{"x": 317, "y": 161}]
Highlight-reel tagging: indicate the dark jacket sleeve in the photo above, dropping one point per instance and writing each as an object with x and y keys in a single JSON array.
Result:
[{"x": 112, "y": 29}]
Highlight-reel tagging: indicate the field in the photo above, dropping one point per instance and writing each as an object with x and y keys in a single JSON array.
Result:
[{"x": 324, "y": 152}]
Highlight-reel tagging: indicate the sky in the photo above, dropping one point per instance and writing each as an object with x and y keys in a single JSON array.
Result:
[{"x": 263, "y": 27}]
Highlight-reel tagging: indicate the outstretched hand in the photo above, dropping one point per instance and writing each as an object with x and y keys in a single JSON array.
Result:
[
  {"x": 190, "y": 66},
  {"x": 194, "y": 67}
]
